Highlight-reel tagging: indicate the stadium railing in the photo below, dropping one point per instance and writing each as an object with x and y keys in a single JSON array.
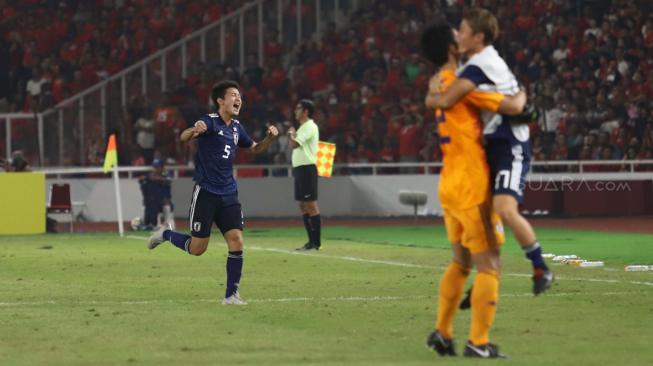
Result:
[
  {"x": 26, "y": 124},
  {"x": 79, "y": 121},
  {"x": 633, "y": 170}
]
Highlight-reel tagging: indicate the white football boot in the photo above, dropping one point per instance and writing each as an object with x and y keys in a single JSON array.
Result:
[
  {"x": 234, "y": 300},
  {"x": 157, "y": 237}
]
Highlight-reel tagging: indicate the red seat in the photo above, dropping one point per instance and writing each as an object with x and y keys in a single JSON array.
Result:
[{"x": 60, "y": 201}]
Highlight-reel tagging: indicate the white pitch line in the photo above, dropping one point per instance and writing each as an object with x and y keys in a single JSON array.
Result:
[
  {"x": 135, "y": 237},
  {"x": 291, "y": 299},
  {"x": 401, "y": 264},
  {"x": 346, "y": 258},
  {"x": 412, "y": 265}
]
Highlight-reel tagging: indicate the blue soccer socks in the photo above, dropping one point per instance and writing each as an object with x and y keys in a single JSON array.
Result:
[
  {"x": 234, "y": 271},
  {"x": 181, "y": 241},
  {"x": 534, "y": 253}
]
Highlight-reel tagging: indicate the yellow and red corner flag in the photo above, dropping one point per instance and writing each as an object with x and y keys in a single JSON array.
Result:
[
  {"x": 111, "y": 157},
  {"x": 326, "y": 153}
]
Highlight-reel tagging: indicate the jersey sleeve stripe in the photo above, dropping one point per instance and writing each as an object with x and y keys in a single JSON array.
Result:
[{"x": 474, "y": 74}]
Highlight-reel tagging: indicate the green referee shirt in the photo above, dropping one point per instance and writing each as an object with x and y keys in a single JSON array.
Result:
[{"x": 307, "y": 138}]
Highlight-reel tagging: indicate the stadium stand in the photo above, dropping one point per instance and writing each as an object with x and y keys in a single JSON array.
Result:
[
  {"x": 588, "y": 66},
  {"x": 72, "y": 45}
]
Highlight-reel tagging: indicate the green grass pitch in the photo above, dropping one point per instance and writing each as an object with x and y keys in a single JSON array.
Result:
[{"x": 368, "y": 298}]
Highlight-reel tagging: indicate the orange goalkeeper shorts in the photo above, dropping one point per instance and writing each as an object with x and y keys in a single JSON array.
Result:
[{"x": 478, "y": 228}]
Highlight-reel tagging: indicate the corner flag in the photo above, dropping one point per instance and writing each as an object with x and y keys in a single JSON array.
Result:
[
  {"x": 111, "y": 158},
  {"x": 326, "y": 153}
]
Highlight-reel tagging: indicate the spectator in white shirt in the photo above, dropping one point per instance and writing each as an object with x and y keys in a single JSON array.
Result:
[{"x": 35, "y": 83}]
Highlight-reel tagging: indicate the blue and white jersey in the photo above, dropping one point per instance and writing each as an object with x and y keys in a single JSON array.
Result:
[
  {"x": 216, "y": 150},
  {"x": 489, "y": 72}
]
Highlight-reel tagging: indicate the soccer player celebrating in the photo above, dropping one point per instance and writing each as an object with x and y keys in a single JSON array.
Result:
[
  {"x": 215, "y": 196},
  {"x": 473, "y": 228},
  {"x": 507, "y": 146}
]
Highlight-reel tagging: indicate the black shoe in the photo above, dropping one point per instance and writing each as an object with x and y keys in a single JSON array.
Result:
[
  {"x": 485, "y": 351},
  {"x": 542, "y": 280},
  {"x": 441, "y": 345},
  {"x": 466, "y": 303},
  {"x": 309, "y": 246}
]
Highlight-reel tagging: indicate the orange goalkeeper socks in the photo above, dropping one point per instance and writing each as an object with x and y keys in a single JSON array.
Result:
[
  {"x": 452, "y": 286},
  {"x": 484, "y": 306}
]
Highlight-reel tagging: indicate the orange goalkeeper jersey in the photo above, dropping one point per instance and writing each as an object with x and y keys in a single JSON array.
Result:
[{"x": 465, "y": 176}]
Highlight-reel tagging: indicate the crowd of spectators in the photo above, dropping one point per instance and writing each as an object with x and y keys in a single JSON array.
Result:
[
  {"x": 54, "y": 49},
  {"x": 589, "y": 68},
  {"x": 587, "y": 65}
]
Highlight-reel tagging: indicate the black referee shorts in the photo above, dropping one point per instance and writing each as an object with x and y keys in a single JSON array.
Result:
[
  {"x": 207, "y": 208},
  {"x": 305, "y": 182}
]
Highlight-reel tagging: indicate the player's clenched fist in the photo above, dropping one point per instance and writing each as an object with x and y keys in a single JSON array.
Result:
[
  {"x": 200, "y": 127},
  {"x": 273, "y": 131}
]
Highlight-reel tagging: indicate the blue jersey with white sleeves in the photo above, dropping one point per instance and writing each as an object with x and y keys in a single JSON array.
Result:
[
  {"x": 489, "y": 72},
  {"x": 216, "y": 150},
  {"x": 506, "y": 145}
]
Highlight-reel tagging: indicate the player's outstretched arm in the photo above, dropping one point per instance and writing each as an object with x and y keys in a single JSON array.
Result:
[
  {"x": 529, "y": 114},
  {"x": 446, "y": 99},
  {"x": 513, "y": 104},
  {"x": 498, "y": 103},
  {"x": 261, "y": 146},
  {"x": 192, "y": 132}
]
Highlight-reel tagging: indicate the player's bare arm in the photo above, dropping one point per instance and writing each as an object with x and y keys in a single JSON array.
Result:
[
  {"x": 261, "y": 146},
  {"x": 446, "y": 99},
  {"x": 192, "y": 132},
  {"x": 513, "y": 104}
]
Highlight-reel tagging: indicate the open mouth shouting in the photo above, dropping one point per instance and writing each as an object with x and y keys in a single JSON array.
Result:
[{"x": 236, "y": 107}]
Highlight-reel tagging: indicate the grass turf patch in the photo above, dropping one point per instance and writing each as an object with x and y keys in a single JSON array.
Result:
[{"x": 75, "y": 299}]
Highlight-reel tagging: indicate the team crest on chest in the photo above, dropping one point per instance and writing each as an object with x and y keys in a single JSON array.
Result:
[{"x": 235, "y": 136}]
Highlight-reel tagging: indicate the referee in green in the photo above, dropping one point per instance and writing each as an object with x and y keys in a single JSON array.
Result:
[{"x": 303, "y": 143}]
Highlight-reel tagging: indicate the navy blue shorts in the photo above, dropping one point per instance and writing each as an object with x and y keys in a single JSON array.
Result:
[
  {"x": 509, "y": 164},
  {"x": 207, "y": 208}
]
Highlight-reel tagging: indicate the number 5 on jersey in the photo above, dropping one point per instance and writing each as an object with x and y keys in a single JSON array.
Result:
[{"x": 227, "y": 151}]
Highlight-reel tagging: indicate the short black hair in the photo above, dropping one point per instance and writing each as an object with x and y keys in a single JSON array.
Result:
[
  {"x": 435, "y": 42},
  {"x": 220, "y": 89},
  {"x": 308, "y": 106}
]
